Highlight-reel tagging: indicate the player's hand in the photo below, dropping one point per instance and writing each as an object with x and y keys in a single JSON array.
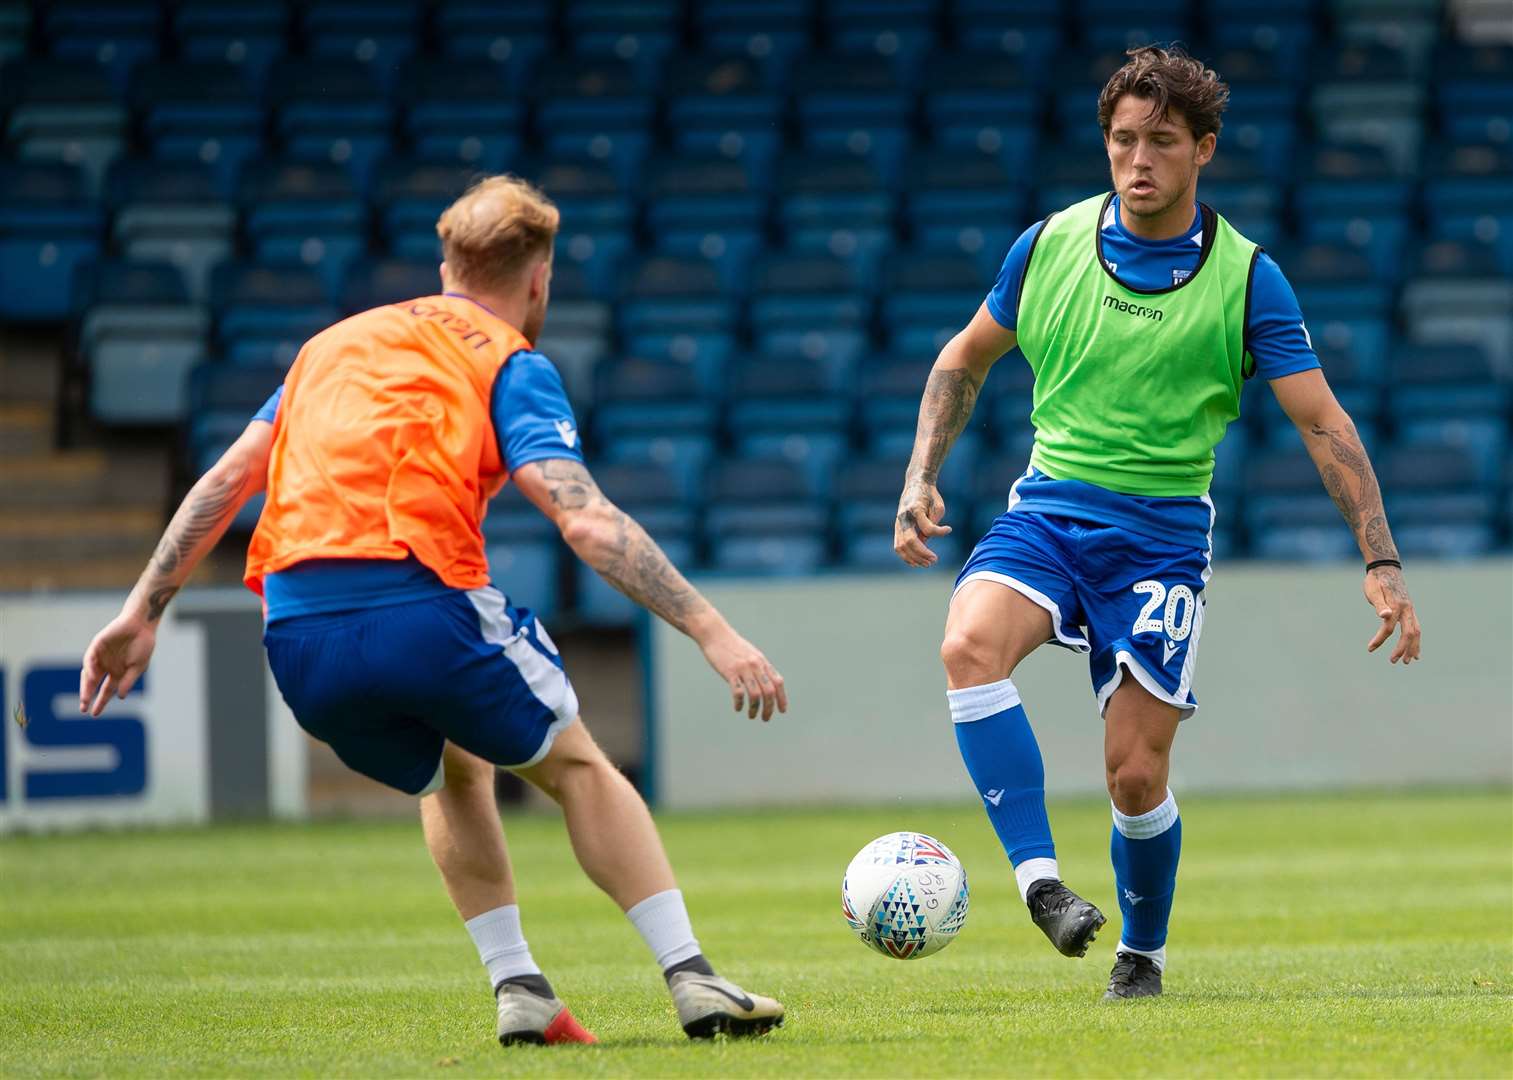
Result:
[
  {"x": 1388, "y": 597},
  {"x": 919, "y": 512},
  {"x": 754, "y": 683},
  {"x": 115, "y": 661}
]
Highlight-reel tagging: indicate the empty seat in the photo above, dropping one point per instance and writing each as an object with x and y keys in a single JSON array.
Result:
[
  {"x": 388, "y": 281},
  {"x": 174, "y": 212},
  {"x": 511, "y": 36},
  {"x": 265, "y": 314},
  {"x": 247, "y": 33},
  {"x": 641, "y": 397},
  {"x": 63, "y": 111},
  {"x": 48, "y": 227},
  {"x": 309, "y": 215},
  {"x": 330, "y": 111},
  {"x": 410, "y": 196},
  {"x": 462, "y": 111}
]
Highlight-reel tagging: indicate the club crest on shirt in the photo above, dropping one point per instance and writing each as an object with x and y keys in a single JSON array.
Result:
[{"x": 1179, "y": 276}]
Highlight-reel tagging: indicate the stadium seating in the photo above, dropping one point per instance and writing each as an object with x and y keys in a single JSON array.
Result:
[{"x": 774, "y": 212}]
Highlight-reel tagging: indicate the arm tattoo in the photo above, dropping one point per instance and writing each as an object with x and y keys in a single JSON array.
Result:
[
  {"x": 1351, "y": 483},
  {"x": 623, "y": 553},
  {"x": 198, "y": 524},
  {"x": 950, "y": 395}
]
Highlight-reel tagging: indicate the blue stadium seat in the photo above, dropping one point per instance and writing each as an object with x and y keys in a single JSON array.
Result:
[
  {"x": 140, "y": 337},
  {"x": 309, "y": 215},
  {"x": 1472, "y": 84},
  {"x": 330, "y": 111},
  {"x": 901, "y": 32},
  {"x": 63, "y": 111},
  {"x": 709, "y": 207},
  {"x": 202, "y": 113},
  {"x": 964, "y": 201},
  {"x": 685, "y": 457},
  {"x": 1236, "y": 183},
  {"x": 461, "y": 111},
  {"x": 529, "y": 573},
  {"x": 173, "y": 212},
  {"x": 48, "y": 227},
  {"x": 984, "y": 102},
  {"x": 762, "y": 518},
  {"x": 512, "y": 36},
  {"x": 1285, "y": 29},
  {"x": 838, "y": 206},
  {"x": 1355, "y": 195},
  {"x": 597, "y": 218},
  {"x": 247, "y": 33},
  {"x": 643, "y": 397},
  {"x": 595, "y": 109},
  {"x": 677, "y": 295},
  {"x": 1068, "y": 175},
  {"x": 1367, "y": 93},
  {"x": 720, "y": 105},
  {"x": 265, "y": 314},
  {"x": 853, "y": 105},
  {"x": 771, "y": 32},
  {"x": 1457, "y": 294},
  {"x": 809, "y": 304},
  {"x": 651, "y": 494},
  {"x": 889, "y": 392},
  {"x": 379, "y": 34},
  {"x": 1029, "y": 32},
  {"x": 1287, "y": 512},
  {"x": 388, "y": 281},
  {"x": 1468, "y": 197},
  {"x": 116, "y": 35},
  {"x": 788, "y": 409},
  {"x": 15, "y": 29},
  {"x": 641, "y": 33},
  {"x": 222, "y": 401},
  {"x": 1439, "y": 382},
  {"x": 1261, "y": 120},
  {"x": 409, "y": 196},
  {"x": 929, "y": 299},
  {"x": 1438, "y": 503}
]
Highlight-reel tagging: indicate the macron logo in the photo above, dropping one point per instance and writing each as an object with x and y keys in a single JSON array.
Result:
[
  {"x": 1133, "y": 309},
  {"x": 1168, "y": 651},
  {"x": 995, "y": 796},
  {"x": 1129, "y": 894},
  {"x": 568, "y": 432}
]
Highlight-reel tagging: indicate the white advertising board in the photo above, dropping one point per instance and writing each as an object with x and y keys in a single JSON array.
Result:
[{"x": 143, "y": 761}]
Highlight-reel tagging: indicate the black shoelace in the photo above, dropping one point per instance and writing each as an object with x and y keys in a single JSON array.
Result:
[{"x": 1123, "y": 975}]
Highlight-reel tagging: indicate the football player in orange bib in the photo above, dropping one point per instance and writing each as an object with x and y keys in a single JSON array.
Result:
[{"x": 389, "y": 642}]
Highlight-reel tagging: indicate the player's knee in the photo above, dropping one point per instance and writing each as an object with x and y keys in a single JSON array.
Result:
[
  {"x": 970, "y": 659},
  {"x": 1136, "y": 783}
]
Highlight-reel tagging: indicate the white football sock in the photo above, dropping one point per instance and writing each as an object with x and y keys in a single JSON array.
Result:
[
  {"x": 662, "y": 921},
  {"x": 501, "y": 945},
  {"x": 1159, "y": 955},
  {"x": 1033, "y": 870}
]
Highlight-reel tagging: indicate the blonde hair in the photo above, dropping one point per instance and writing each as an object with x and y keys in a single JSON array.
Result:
[{"x": 496, "y": 227}]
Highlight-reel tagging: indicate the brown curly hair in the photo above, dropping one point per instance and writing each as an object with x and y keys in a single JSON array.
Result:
[
  {"x": 498, "y": 225},
  {"x": 1169, "y": 79}
]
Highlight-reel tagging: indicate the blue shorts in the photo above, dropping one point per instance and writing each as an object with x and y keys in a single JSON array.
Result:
[
  {"x": 388, "y": 687},
  {"x": 1133, "y": 602}
]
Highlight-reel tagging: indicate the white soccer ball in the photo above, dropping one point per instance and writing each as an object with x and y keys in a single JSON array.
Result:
[{"x": 905, "y": 895}]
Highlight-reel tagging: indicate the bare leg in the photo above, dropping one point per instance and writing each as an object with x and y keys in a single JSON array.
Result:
[
  {"x": 989, "y": 630},
  {"x": 1138, "y": 731},
  {"x": 464, "y": 836},
  {"x": 611, "y": 829}
]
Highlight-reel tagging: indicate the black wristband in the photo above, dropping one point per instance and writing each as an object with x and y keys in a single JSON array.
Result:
[{"x": 1383, "y": 562}]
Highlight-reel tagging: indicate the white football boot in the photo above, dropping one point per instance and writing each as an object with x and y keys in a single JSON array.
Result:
[
  {"x": 525, "y": 1017},
  {"x": 709, "y": 1005}
]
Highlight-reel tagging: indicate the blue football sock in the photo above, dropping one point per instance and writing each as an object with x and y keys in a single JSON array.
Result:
[
  {"x": 1144, "y": 849},
  {"x": 1003, "y": 759}
]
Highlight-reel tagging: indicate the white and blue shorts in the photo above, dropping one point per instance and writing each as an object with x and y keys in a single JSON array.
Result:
[
  {"x": 388, "y": 687},
  {"x": 1134, "y": 603}
]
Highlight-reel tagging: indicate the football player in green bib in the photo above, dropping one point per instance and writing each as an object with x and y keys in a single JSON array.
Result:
[{"x": 1141, "y": 312}]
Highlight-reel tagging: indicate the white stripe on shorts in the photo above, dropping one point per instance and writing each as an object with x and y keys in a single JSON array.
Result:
[{"x": 546, "y": 680}]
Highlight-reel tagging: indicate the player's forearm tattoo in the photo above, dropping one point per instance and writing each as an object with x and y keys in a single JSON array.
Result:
[
  {"x": 201, "y": 519},
  {"x": 1351, "y": 483},
  {"x": 622, "y": 553},
  {"x": 950, "y": 395}
]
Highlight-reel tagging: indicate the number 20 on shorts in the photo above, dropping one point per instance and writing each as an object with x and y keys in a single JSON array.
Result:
[{"x": 1179, "y": 601}]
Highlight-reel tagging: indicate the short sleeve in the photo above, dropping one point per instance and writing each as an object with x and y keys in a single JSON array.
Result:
[
  {"x": 532, "y": 417},
  {"x": 1275, "y": 334},
  {"x": 1003, "y": 301},
  {"x": 269, "y": 411}
]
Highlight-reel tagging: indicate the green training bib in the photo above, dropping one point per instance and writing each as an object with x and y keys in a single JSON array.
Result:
[{"x": 1133, "y": 388}]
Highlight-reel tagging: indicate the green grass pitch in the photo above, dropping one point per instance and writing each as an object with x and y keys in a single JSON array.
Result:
[{"x": 1360, "y": 935}]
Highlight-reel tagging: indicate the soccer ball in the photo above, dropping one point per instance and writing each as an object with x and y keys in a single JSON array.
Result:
[{"x": 905, "y": 895}]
